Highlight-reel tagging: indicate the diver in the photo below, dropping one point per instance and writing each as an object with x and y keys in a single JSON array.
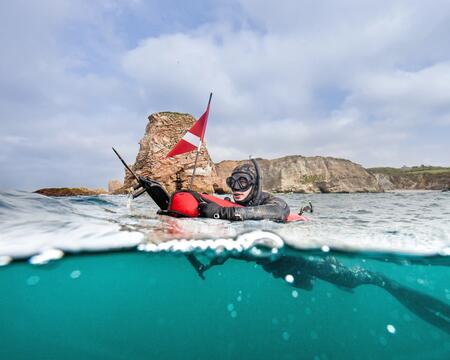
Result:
[
  {"x": 245, "y": 183},
  {"x": 300, "y": 272}
]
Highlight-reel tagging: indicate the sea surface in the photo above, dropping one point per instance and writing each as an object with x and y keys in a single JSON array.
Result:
[{"x": 104, "y": 277}]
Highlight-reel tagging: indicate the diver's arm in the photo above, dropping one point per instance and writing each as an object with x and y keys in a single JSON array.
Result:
[
  {"x": 261, "y": 212},
  {"x": 272, "y": 209}
]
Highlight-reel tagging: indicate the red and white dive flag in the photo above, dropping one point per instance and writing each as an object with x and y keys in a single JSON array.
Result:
[{"x": 193, "y": 138}]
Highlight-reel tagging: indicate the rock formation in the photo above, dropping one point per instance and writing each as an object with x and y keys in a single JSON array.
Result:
[
  {"x": 286, "y": 174},
  {"x": 404, "y": 179},
  {"x": 308, "y": 174},
  {"x": 70, "y": 192},
  {"x": 114, "y": 186},
  {"x": 163, "y": 131}
]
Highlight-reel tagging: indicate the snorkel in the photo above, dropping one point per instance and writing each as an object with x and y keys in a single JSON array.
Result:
[{"x": 257, "y": 190}]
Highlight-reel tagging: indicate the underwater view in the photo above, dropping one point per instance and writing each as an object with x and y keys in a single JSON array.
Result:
[{"x": 104, "y": 277}]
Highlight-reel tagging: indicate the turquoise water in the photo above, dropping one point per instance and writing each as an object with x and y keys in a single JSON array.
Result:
[
  {"x": 133, "y": 304},
  {"x": 139, "y": 306}
]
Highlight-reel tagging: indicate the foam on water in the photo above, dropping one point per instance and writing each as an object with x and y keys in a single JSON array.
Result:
[
  {"x": 256, "y": 243},
  {"x": 43, "y": 228}
]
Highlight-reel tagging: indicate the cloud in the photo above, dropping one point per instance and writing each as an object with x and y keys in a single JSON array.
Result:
[
  {"x": 349, "y": 84},
  {"x": 368, "y": 82},
  {"x": 405, "y": 96},
  {"x": 60, "y": 115}
]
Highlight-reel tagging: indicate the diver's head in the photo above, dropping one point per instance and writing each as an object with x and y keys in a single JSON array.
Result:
[{"x": 242, "y": 182}]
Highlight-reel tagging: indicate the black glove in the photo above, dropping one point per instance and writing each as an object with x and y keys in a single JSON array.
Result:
[
  {"x": 209, "y": 210},
  {"x": 212, "y": 210}
]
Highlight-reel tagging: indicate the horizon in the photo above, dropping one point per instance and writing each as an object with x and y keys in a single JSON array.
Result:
[{"x": 368, "y": 83}]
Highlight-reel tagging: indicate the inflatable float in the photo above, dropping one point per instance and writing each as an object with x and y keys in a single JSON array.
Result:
[{"x": 185, "y": 203}]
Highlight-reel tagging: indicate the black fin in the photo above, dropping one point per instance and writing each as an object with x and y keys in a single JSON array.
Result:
[
  {"x": 432, "y": 310},
  {"x": 156, "y": 191}
]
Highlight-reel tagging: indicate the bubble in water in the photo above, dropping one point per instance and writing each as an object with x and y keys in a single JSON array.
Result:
[
  {"x": 33, "y": 280},
  {"x": 391, "y": 328},
  {"x": 75, "y": 274},
  {"x": 294, "y": 293},
  {"x": 233, "y": 314},
  {"x": 230, "y": 307},
  {"x": 5, "y": 260},
  {"x": 46, "y": 256},
  {"x": 285, "y": 335},
  {"x": 129, "y": 201},
  {"x": 325, "y": 248},
  {"x": 289, "y": 278},
  {"x": 383, "y": 341},
  {"x": 219, "y": 250},
  {"x": 141, "y": 247},
  {"x": 239, "y": 298}
]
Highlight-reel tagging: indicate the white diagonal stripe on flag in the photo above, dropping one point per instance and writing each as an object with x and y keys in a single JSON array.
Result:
[{"x": 191, "y": 138}]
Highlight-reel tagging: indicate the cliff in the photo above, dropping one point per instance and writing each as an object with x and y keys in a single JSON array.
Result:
[
  {"x": 413, "y": 178},
  {"x": 308, "y": 174},
  {"x": 162, "y": 132},
  {"x": 287, "y": 174}
]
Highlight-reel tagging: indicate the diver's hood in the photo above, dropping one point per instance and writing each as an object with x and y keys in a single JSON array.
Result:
[{"x": 254, "y": 198}]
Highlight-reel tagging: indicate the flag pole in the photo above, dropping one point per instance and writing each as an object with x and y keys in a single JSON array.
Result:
[
  {"x": 195, "y": 167},
  {"x": 198, "y": 151}
]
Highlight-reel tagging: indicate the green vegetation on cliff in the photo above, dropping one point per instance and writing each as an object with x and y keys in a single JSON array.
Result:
[{"x": 411, "y": 170}]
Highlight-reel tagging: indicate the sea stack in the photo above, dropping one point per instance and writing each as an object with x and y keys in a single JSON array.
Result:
[{"x": 163, "y": 131}]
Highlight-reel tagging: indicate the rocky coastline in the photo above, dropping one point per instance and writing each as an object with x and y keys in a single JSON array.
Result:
[
  {"x": 81, "y": 191},
  {"x": 294, "y": 173},
  {"x": 413, "y": 178}
]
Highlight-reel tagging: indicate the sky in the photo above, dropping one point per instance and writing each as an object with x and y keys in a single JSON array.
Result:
[{"x": 367, "y": 81}]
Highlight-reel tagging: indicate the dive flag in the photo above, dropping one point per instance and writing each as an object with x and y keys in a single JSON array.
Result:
[{"x": 193, "y": 138}]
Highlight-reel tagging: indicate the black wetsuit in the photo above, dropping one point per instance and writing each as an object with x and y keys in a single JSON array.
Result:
[
  {"x": 270, "y": 208},
  {"x": 305, "y": 269},
  {"x": 266, "y": 207}
]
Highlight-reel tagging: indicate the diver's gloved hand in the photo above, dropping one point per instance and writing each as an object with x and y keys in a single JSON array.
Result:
[{"x": 212, "y": 210}]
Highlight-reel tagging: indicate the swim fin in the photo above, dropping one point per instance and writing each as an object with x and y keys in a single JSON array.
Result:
[
  {"x": 155, "y": 190},
  {"x": 426, "y": 307}
]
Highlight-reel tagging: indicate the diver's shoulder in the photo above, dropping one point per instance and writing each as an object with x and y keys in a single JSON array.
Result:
[{"x": 266, "y": 196}]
